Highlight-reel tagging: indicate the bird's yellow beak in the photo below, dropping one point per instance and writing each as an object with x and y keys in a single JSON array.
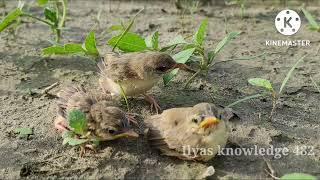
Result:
[
  {"x": 184, "y": 67},
  {"x": 208, "y": 122},
  {"x": 129, "y": 133}
]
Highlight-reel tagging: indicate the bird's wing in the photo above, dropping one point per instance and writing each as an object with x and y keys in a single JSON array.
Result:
[
  {"x": 168, "y": 133},
  {"x": 120, "y": 68},
  {"x": 73, "y": 98}
]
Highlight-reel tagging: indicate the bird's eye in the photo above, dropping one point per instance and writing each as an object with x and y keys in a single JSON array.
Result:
[
  {"x": 194, "y": 120},
  {"x": 162, "y": 68},
  {"x": 111, "y": 131}
]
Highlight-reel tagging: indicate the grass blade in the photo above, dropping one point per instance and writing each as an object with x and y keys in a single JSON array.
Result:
[
  {"x": 312, "y": 22},
  {"x": 284, "y": 82},
  {"x": 315, "y": 84},
  {"x": 13, "y": 15},
  {"x": 245, "y": 99}
]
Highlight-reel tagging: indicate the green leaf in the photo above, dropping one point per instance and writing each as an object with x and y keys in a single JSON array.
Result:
[
  {"x": 261, "y": 83},
  {"x": 181, "y": 57},
  {"x": 116, "y": 27},
  {"x": 23, "y": 131},
  {"x": 200, "y": 33},
  {"x": 51, "y": 15},
  {"x": 74, "y": 141},
  {"x": 90, "y": 44},
  {"x": 12, "y": 16},
  {"x": 130, "y": 42},
  {"x": 225, "y": 41},
  {"x": 313, "y": 25},
  {"x": 67, "y": 134},
  {"x": 77, "y": 121},
  {"x": 73, "y": 48},
  {"x": 42, "y": 2},
  {"x": 152, "y": 41},
  {"x": 298, "y": 176},
  {"x": 284, "y": 82},
  {"x": 176, "y": 41},
  {"x": 169, "y": 76},
  {"x": 54, "y": 50}
]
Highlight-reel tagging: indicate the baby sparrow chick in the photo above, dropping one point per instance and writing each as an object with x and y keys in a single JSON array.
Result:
[
  {"x": 105, "y": 119},
  {"x": 190, "y": 133},
  {"x": 136, "y": 73}
]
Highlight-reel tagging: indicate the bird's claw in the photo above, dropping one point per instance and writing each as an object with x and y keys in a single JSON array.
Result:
[
  {"x": 87, "y": 146},
  {"x": 153, "y": 102},
  {"x": 131, "y": 118}
]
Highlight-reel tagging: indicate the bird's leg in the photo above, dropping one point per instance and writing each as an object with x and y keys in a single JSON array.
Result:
[
  {"x": 83, "y": 148},
  {"x": 153, "y": 102},
  {"x": 131, "y": 118},
  {"x": 60, "y": 124}
]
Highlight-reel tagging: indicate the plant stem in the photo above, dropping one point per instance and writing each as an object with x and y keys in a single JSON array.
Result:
[
  {"x": 192, "y": 77},
  {"x": 64, "y": 13},
  {"x": 245, "y": 99},
  {"x": 38, "y": 19}
]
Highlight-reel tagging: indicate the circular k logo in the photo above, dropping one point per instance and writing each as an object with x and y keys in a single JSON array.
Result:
[{"x": 287, "y": 22}]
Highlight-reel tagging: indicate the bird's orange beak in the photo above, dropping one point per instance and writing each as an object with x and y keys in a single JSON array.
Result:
[
  {"x": 184, "y": 67},
  {"x": 208, "y": 122},
  {"x": 128, "y": 134}
]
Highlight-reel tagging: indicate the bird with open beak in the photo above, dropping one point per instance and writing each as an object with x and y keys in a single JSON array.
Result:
[
  {"x": 190, "y": 133},
  {"x": 136, "y": 73},
  {"x": 106, "y": 120}
]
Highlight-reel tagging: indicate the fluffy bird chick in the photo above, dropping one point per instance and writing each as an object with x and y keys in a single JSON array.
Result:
[
  {"x": 190, "y": 133},
  {"x": 136, "y": 73},
  {"x": 105, "y": 119}
]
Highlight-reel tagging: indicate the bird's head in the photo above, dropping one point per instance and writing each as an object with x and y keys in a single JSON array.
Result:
[
  {"x": 162, "y": 63},
  {"x": 204, "y": 123},
  {"x": 110, "y": 123}
]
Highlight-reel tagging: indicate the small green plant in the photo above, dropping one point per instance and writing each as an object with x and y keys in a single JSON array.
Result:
[
  {"x": 269, "y": 88},
  {"x": 240, "y": 3},
  {"x": 88, "y": 47},
  {"x": 78, "y": 133},
  {"x": 313, "y": 25},
  {"x": 54, "y": 16},
  {"x": 196, "y": 48},
  {"x": 23, "y": 132}
]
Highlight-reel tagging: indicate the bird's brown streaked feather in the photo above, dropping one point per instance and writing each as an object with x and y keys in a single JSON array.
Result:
[{"x": 124, "y": 67}]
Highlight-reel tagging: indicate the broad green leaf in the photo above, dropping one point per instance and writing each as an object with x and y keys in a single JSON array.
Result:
[
  {"x": 130, "y": 42},
  {"x": 51, "y": 15},
  {"x": 176, "y": 41},
  {"x": 13, "y": 15},
  {"x": 200, "y": 33},
  {"x": 77, "y": 121},
  {"x": 225, "y": 41},
  {"x": 125, "y": 31},
  {"x": 74, "y": 141},
  {"x": 181, "y": 57},
  {"x": 90, "y": 44},
  {"x": 54, "y": 50},
  {"x": 73, "y": 48},
  {"x": 261, "y": 83},
  {"x": 116, "y": 27},
  {"x": 24, "y": 131},
  {"x": 298, "y": 176},
  {"x": 169, "y": 76},
  {"x": 284, "y": 82},
  {"x": 42, "y": 2},
  {"x": 312, "y": 22},
  {"x": 152, "y": 41},
  {"x": 66, "y": 134}
]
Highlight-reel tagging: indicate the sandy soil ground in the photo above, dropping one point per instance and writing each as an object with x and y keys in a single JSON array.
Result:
[{"x": 295, "y": 123}]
